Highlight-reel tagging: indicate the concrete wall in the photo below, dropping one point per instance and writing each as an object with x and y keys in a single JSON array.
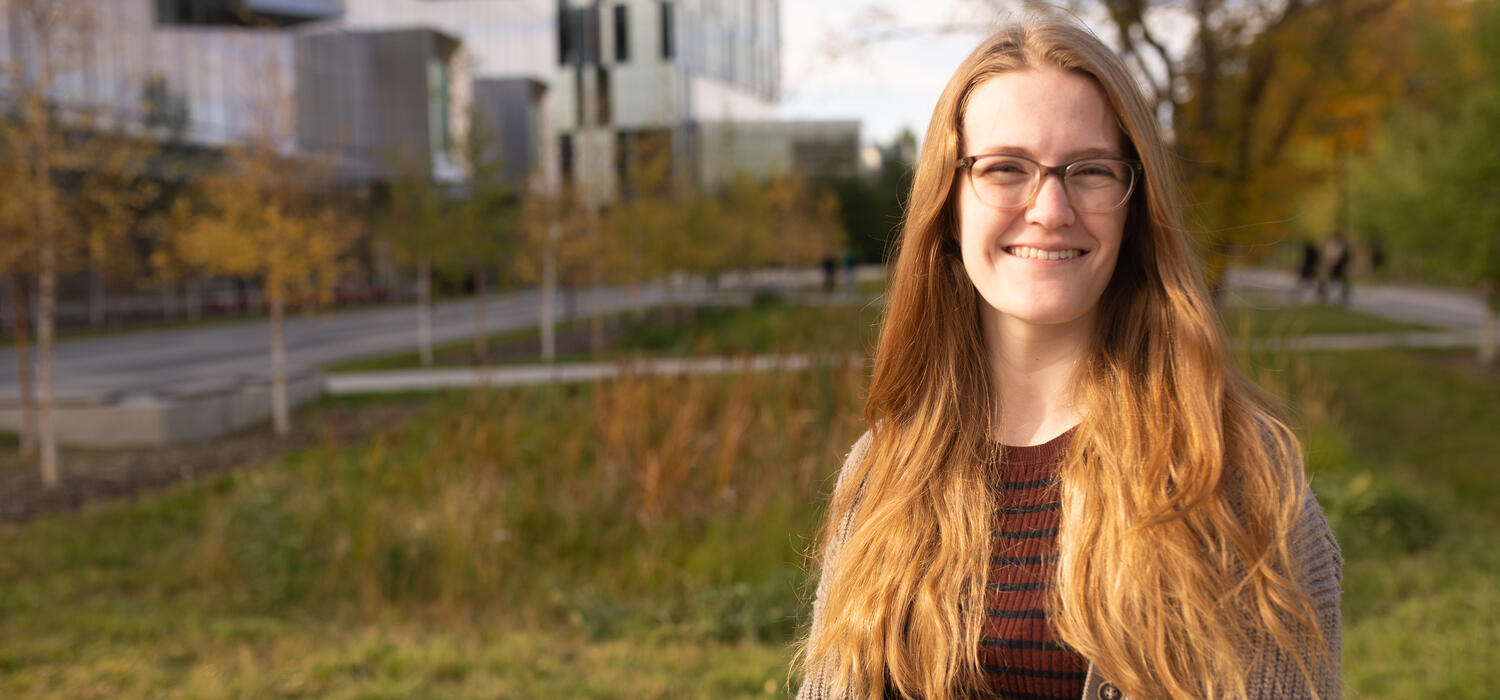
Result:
[{"x": 150, "y": 420}]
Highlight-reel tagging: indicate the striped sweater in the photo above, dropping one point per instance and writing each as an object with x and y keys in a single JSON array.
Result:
[
  {"x": 1018, "y": 653},
  {"x": 1275, "y": 675}
]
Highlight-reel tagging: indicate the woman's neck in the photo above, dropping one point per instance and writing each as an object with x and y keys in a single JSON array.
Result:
[{"x": 1033, "y": 369}]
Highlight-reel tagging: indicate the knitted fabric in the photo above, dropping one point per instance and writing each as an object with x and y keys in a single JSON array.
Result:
[{"x": 1018, "y": 652}]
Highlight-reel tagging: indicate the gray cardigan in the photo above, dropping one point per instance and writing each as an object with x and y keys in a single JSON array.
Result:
[{"x": 1316, "y": 553}]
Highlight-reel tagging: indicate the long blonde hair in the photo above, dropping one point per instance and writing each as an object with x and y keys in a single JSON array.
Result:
[{"x": 1179, "y": 492}]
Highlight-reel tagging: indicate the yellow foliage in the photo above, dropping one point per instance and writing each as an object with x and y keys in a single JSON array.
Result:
[{"x": 262, "y": 218}]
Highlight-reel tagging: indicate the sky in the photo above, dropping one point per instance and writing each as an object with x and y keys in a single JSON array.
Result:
[
  {"x": 886, "y": 84},
  {"x": 832, "y": 68}
]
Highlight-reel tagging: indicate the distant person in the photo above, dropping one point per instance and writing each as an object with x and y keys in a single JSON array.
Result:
[
  {"x": 1066, "y": 488},
  {"x": 1335, "y": 262},
  {"x": 1307, "y": 272},
  {"x": 828, "y": 273}
]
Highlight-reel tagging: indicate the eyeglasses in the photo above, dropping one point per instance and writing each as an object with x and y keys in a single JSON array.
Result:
[{"x": 1009, "y": 182}]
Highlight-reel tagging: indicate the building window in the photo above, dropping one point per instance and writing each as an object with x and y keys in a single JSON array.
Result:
[
  {"x": 622, "y": 34},
  {"x": 565, "y": 156},
  {"x": 668, "y": 46},
  {"x": 440, "y": 137},
  {"x": 578, "y": 98},
  {"x": 577, "y": 36},
  {"x": 603, "y": 84},
  {"x": 567, "y": 41}
]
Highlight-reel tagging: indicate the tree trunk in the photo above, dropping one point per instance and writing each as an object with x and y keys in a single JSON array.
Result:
[
  {"x": 481, "y": 336},
  {"x": 549, "y": 293},
  {"x": 424, "y": 309},
  {"x": 280, "y": 414},
  {"x": 26, "y": 398},
  {"x": 47, "y": 300},
  {"x": 46, "y": 292}
]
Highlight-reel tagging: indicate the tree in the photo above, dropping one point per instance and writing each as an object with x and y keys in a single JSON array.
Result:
[
  {"x": 1428, "y": 188},
  {"x": 54, "y": 28},
  {"x": 264, "y": 218},
  {"x": 870, "y": 207},
  {"x": 485, "y": 229},
  {"x": 413, "y": 220},
  {"x": 17, "y": 261}
]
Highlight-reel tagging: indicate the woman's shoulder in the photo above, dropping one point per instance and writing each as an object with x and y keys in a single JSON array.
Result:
[
  {"x": 1316, "y": 547},
  {"x": 856, "y": 454}
]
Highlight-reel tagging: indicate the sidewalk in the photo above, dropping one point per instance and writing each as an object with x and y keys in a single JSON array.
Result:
[{"x": 1443, "y": 307}]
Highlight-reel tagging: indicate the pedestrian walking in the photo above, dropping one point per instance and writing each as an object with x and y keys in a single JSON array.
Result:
[
  {"x": 1335, "y": 269},
  {"x": 1307, "y": 272},
  {"x": 1066, "y": 488}
]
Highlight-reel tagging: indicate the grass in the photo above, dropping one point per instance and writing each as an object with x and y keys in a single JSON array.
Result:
[
  {"x": 456, "y": 352},
  {"x": 635, "y": 538},
  {"x": 1401, "y": 448},
  {"x": 767, "y": 326},
  {"x": 642, "y": 538}
]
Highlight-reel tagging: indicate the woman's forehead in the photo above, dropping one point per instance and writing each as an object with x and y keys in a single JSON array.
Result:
[{"x": 1044, "y": 114}]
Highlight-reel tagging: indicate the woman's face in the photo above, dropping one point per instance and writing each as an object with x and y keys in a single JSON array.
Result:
[{"x": 1046, "y": 263}]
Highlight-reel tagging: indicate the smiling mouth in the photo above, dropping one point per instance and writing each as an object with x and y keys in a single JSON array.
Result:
[{"x": 1022, "y": 251}]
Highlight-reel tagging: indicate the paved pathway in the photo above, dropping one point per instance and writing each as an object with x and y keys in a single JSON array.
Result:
[{"x": 1442, "y": 307}]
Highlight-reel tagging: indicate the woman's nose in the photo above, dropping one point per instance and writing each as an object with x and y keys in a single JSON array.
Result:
[{"x": 1050, "y": 208}]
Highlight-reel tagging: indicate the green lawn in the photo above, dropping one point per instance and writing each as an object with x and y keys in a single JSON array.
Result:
[
  {"x": 765, "y": 327},
  {"x": 643, "y": 538}
]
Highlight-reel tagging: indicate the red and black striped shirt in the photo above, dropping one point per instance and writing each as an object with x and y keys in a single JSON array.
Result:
[{"x": 1020, "y": 656}]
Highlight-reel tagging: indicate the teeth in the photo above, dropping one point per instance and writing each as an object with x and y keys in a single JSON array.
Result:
[{"x": 1022, "y": 251}]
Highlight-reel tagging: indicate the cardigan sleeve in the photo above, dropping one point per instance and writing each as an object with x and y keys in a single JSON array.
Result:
[
  {"x": 818, "y": 683},
  {"x": 1320, "y": 567}
]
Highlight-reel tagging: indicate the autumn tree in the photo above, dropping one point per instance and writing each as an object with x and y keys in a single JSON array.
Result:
[
  {"x": 485, "y": 230},
  {"x": 267, "y": 217},
  {"x": 413, "y": 219},
  {"x": 53, "y": 31},
  {"x": 1428, "y": 188},
  {"x": 17, "y": 263}
]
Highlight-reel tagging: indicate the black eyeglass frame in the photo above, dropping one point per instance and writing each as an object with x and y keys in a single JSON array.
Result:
[{"x": 1137, "y": 170}]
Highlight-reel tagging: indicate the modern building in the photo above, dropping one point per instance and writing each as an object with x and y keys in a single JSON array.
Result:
[
  {"x": 371, "y": 83},
  {"x": 502, "y": 73},
  {"x": 701, "y": 76}
]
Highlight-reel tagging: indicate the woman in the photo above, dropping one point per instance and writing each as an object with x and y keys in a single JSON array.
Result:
[{"x": 1067, "y": 489}]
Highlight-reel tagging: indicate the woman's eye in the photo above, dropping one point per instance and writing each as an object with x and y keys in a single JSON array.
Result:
[
  {"x": 1095, "y": 170},
  {"x": 1005, "y": 167}
]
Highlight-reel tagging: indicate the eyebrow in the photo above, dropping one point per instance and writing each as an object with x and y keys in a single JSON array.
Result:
[{"x": 1071, "y": 156}]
